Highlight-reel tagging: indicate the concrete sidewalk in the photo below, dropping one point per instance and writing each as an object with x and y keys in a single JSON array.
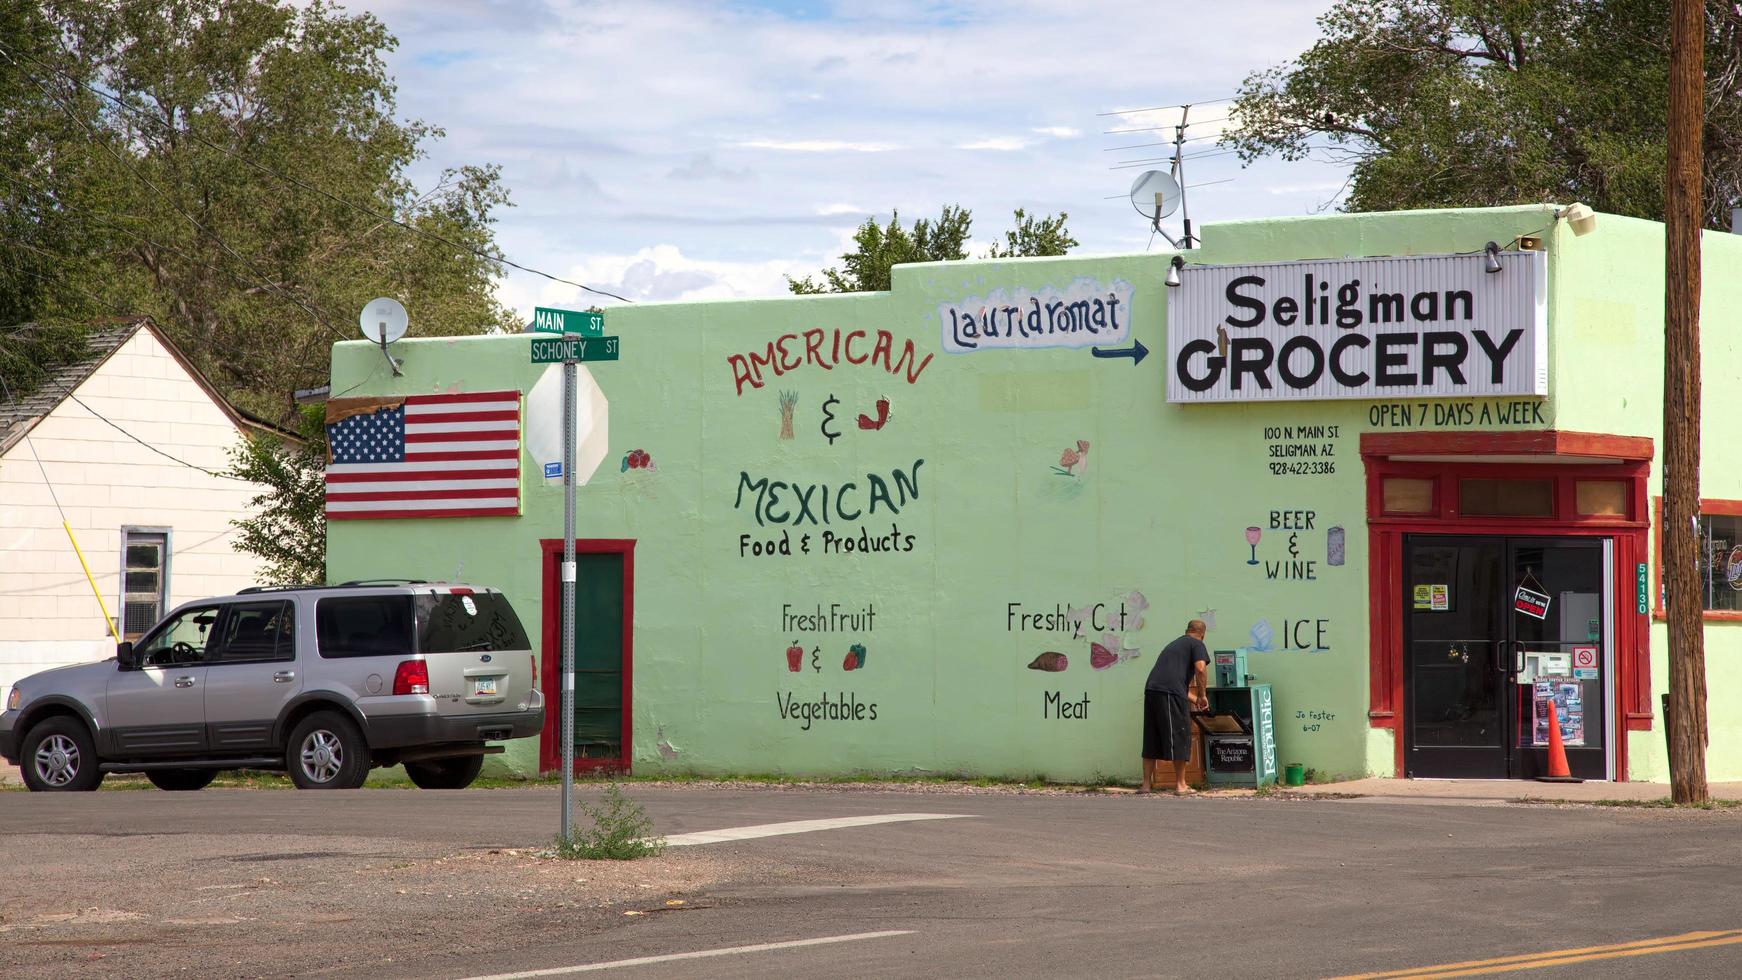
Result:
[{"x": 1504, "y": 789}]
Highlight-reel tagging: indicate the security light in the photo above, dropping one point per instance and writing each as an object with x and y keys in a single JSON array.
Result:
[
  {"x": 1580, "y": 218},
  {"x": 1173, "y": 271}
]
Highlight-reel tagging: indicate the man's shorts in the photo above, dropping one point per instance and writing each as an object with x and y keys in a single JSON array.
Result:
[{"x": 1167, "y": 726}]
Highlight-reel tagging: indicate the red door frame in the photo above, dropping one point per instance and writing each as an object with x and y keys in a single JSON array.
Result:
[
  {"x": 551, "y": 558},
  {"x": 1534, "y": 451}
]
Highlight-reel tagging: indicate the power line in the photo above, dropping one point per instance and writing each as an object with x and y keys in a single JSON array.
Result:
[
  {"x": 111, "y": 423},
  {"x": 379, "y": 216},
  {"x": 1159, "y": 108}
]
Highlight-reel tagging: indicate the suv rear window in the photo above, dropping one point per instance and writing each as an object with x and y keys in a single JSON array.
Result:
[
  {"x": 463, "y": 623},
  {"x": 364, "y": 626}
]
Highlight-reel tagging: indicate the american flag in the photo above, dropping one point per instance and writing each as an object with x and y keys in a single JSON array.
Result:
[{"x": 424, "y": 456}]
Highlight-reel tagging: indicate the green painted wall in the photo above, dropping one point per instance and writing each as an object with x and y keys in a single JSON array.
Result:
[
  {"x": 1610, "y": 336},
  {"x": 1155, "y": 513}
]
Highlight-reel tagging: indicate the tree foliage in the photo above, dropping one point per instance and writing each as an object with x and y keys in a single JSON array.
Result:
[
  {"x": 882, "y": 247},
  {"x": 218, "y": 165},
  {"x": 287, "y": 527},
  {"x": 1465, "y": 103}
]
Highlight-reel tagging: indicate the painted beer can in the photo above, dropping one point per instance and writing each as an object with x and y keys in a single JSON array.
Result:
[{"x": 1334, "y": 545}]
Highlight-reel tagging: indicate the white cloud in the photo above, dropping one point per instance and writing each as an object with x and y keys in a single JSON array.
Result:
[
  {"x": 657, "y": 273},
  {"x": 733, "y": 156},
  {"x": 1005, "y": 144},
  {"x": 818, "y": 146}
]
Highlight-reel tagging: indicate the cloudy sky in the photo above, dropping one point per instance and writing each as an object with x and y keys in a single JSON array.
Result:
[{"x": 677, "y": 149}]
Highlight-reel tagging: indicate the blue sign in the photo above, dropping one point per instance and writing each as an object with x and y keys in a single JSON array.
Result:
[{"x": 553, "y": 469}]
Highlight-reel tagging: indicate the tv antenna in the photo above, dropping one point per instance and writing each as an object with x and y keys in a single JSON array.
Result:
[
  {"x": 1157, "y": 194},
  {"x": 383, "y": 321}
]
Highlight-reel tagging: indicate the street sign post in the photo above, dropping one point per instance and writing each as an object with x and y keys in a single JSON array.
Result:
[
  {"x": 582, "y": 340},
  {"x": 550, "y": 350},
  {"x": 547, "y": 320}
]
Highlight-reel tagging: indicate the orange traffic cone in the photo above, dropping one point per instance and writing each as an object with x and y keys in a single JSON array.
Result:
[{"x": 1558, "y": 772}]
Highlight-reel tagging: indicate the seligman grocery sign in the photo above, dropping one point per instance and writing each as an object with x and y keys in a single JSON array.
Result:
[{"x": 1436, "y": 325}]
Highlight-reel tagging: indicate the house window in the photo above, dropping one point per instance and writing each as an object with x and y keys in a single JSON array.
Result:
[
  {"x": 144, "y": 579},
  {"x": 1720, "y": 562}
]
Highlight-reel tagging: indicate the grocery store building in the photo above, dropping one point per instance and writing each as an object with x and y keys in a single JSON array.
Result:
[{"x": 946, "y": 528}]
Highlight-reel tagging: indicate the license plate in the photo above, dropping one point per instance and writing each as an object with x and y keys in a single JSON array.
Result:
[{"x": 484, "y": 685}]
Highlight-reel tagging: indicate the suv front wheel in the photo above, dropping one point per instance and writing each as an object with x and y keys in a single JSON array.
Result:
[
  {"x": 326, "y": 751},
  {"x": 59, "y": 756}
]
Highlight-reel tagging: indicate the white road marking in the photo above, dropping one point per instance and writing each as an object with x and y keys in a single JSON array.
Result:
[
  {"x": 799, "y": 827},
  {"x": 558, "y": 971}
]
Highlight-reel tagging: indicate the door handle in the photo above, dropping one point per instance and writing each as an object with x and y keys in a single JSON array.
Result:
[
  {"x": 184, "y": 682},
  {"x": 284, "y": 676}
]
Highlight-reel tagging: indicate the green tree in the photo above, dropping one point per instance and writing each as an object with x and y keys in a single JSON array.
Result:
[
  {"x": 225, "y": 166},
  {"x": 881, "y": 247},
  {"x": 289, "y": 527},
  {"x": 1035, "y": 236},
  {"x": 1464, "y": 103}
]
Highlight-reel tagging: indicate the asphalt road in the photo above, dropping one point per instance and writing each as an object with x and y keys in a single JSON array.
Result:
[{"x": 1024, "y": 885}]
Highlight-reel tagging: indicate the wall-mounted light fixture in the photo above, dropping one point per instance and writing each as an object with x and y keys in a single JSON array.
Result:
[
  {"x": 1580, "y": 218},
  {"x": 1491, "y": 257},
  {"x": 1173, "y": 271}
]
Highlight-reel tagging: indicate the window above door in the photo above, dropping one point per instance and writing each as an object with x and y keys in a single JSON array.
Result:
[{"x": 1507, "y": 493}]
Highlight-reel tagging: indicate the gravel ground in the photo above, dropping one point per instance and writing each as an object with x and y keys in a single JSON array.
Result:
[{"x": 276, "y": 905}]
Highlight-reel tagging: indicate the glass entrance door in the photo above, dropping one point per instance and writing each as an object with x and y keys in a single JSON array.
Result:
[
  {"x": 1557, "y": 655},
  {"x": 1455, "y": 687},
  {"x": 1494, "y": 629}
]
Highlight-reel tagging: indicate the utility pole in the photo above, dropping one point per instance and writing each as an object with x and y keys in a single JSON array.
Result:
[{"x": 1683, "y": 220}]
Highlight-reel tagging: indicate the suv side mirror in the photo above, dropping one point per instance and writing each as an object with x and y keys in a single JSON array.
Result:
[{"x": 125, "y": 656}]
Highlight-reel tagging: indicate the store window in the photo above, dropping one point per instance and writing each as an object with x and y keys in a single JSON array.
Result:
[
  {"x": 144, "y": 579},
  {"x": 1720, "y": 562}
]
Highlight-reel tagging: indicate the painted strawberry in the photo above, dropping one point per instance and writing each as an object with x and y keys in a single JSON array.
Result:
[
  {"x": 851, "y": 662},
  {"x": 794, "y": 657}
]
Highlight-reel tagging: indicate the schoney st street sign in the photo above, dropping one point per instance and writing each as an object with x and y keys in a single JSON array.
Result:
[{"x": 551, "y": 351}]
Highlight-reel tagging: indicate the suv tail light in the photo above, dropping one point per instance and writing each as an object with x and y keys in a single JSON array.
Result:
[{"x": 412, "y": 677}]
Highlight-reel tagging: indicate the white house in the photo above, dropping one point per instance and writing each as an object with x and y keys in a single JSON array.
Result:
[{"x": 129, "y": 442}]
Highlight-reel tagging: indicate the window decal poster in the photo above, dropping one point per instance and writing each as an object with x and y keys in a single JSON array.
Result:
[{"x": 1569, "y": 704}]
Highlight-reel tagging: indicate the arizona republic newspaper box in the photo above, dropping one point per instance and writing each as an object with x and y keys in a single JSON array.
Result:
[{"x": 946, "y": 528}]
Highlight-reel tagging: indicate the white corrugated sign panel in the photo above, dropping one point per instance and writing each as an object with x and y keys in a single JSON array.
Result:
[{"x": 1375, "y": 328}]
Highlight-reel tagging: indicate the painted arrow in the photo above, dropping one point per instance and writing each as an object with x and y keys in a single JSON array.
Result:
[{"x": 1137, "y": 352}]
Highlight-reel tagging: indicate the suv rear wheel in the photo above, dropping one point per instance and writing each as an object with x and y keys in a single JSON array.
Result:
[
  {"x": 59, "y": 756},
  {"x": 326, "y": 751},
  {"x": 181, "y": 780},
  {"x": 455, "y": 773}
]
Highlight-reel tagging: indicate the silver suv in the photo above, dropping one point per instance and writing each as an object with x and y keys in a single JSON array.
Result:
[{"x": 323, "y": 682}]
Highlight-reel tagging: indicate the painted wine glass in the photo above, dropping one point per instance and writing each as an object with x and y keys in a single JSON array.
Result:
[{"x": 1252, "y": 536}]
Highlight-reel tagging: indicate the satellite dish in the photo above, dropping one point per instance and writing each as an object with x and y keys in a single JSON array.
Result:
[
  {"x": 1145, "y": 191},
  {"x": 383, "y": 320}
]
